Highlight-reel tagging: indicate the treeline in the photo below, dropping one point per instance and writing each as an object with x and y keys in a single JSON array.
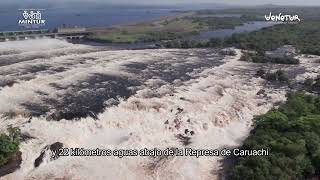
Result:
[
  {"x": 306, "y": 13},
  {"x": 213, "y": 23},
  {"x": 185, "y": 44},
  {"x": 292, "y": 133},
  {"x": 305, "y": 36},
  {"x": 262, "y": 58},
  {"x": 193, "y": 43},
  {"x": 163, "y": 35}
]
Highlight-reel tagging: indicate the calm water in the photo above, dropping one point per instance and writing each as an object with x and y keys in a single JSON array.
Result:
[
  {"x": 247, "y": 27},
  {"x": 84, "y": 16}
]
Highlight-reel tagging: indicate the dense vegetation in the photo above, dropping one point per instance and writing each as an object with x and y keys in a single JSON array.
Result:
[
  {"x": 278, "y": 75},
  {"x": 292, "y": 132},
  {"x": 213, "y": 23},
  {"x": 148, "y": 32},
  {"x": 308, "y": 13},
  {"x": 9, "y": 145},
  {"x": 137, "y": 37},
  {"x": 172, "y": 31},
  {"x": 313, "y": 85},
  {"x": 168, "y": 29},
  {"x": 262, "y": 58},
  {"x": 304, "y": 35}
]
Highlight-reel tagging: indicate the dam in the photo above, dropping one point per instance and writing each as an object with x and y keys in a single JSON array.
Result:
[{"x": 58, "y": 33}]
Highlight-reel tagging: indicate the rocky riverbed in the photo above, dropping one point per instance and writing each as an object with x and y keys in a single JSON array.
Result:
[{"x": 66, "y": 95}]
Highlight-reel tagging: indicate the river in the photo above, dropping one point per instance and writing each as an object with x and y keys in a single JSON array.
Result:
[
  {"x": 83, "y": 96},
  {"x": 222, "y": 33}
]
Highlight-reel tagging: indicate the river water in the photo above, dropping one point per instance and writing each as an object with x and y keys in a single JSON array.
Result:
[
  {"x": 222, "y": 33},
  {"x": 89, "y": 97},
  {"x": 83, "y": 16}
]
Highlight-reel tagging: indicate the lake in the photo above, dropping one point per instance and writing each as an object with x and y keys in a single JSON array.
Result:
[
  {"x": 84, "y": 16},
  {"x": 87, "y": 14}
]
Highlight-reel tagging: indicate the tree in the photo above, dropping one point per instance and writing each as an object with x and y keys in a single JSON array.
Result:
[
  {"x": 292, "y": 132},
  {"x": 9, "y": 145}
]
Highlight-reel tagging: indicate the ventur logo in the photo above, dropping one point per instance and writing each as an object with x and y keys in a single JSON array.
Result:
[{"x": 282, "y": 17}]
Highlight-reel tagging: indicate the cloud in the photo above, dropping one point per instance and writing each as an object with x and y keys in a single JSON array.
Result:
[{"x": 236, "y": 2}]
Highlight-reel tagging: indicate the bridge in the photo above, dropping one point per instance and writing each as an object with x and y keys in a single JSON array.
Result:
[{"x": 60, "y": 33}]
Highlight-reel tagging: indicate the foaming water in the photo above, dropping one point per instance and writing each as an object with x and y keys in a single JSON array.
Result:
[{"x": 131, "y": 100}]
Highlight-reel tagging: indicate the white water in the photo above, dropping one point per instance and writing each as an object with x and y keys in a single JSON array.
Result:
[{"x": 218, "y": 106}]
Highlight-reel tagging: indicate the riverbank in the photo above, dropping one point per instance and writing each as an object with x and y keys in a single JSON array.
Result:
[
  {"x": 192, "y": 37},
  {"x": 170, "y": 28}
]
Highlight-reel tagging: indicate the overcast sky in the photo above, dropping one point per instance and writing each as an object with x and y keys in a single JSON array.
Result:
[{"x": 235, "y": 2}]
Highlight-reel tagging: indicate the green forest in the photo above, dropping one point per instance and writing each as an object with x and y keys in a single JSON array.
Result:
[
  {"x": 9, "y": 145},
  {"x": 305, "y": 36},
  {"x": 169, "y": 29},
  {"x": 292, "y": 133}
]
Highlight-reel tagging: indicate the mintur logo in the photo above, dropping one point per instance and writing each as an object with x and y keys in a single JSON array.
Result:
[
  {"x": 282, "y": 18},
  {"x": 32, "y": 18}
]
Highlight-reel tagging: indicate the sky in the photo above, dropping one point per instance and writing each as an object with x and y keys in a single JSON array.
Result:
[
  {"x": 232, "y": 2},
  {"x": 236, "y": 2}
]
